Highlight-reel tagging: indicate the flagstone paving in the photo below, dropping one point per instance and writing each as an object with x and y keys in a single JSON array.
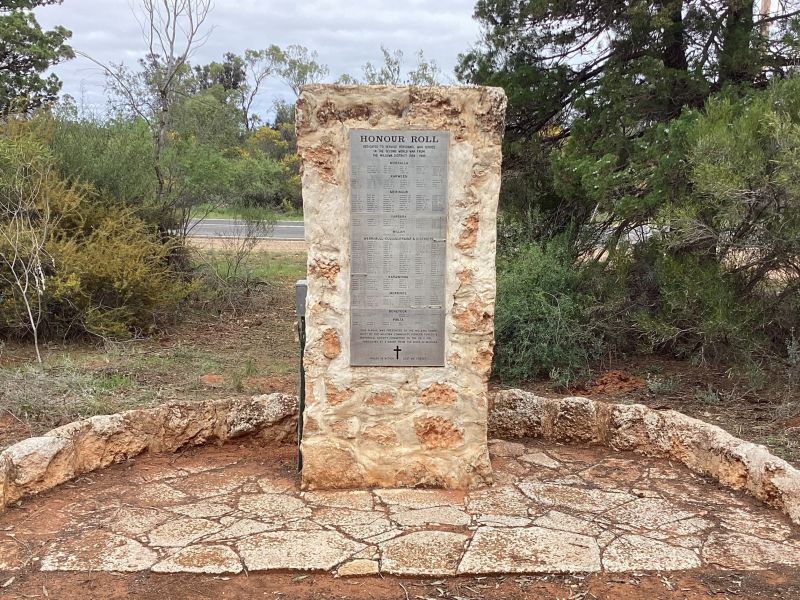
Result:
[{"x": 553, "y": 509}]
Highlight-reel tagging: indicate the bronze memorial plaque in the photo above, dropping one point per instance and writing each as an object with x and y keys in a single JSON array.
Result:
[{"x": 398, "y": 233}]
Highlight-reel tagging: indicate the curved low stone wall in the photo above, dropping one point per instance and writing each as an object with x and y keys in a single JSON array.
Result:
[
  {"x": 704, "y": 448},
  {"x": 40, "y": 463}
]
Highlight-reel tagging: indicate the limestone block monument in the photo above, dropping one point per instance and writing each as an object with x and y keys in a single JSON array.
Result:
[{"x": 400, "y": 190}]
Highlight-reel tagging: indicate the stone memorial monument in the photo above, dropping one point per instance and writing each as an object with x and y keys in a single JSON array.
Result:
[{"x": 400, "y": 189}]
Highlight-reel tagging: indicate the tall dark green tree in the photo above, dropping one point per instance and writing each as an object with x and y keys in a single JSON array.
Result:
[
  {"x": 549, "y": 53},
  {"x": 230, "y": 74},
  {"x": 26, "y": 52},
  {"x": 601, "y": 79},
  {"x": 650, "y": 148}
]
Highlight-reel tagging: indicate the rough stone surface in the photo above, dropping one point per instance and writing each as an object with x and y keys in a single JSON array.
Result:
[
  {"x": 540, "y": 459},
  {"x": 423, "y": 553},
  {"x": 399, "y": 427},
  {"x": 9, "y": 555},
  {"x": 704, "y": 448},
  {"x": 100, "y": 551},
  {"x": 506, "y": 449},
  {"x": 301, "y": 551},
  {"x": 599, "y": 510},
  {"x": 182, "y": 532},
  {"x": 38, "y": 464},
  {"x": 440, "y": 515},
  {"x": 359, "y": 566},
  {"x": 529, "y": 550},
  {"x": 747, "y": 552},
  {"x": 635, "y": 552},
  {"x": 201, "y": 559}
]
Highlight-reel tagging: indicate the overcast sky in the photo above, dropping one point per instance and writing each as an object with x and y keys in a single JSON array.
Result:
[{"x": 345, "y": 33}]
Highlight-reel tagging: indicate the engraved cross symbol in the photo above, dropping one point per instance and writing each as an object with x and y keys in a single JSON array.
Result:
[{"x": 397, "y": 352}]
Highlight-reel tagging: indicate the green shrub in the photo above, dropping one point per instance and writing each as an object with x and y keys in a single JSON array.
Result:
[
  {"x": 545, "y": 319},
  {"x": 727, "y": 260},
  {"x": 698, "y": 312},
  {"x": 102, "y": 271},
  {"x": 94, "y": 152},
  {"x": 114, "y": 282}
]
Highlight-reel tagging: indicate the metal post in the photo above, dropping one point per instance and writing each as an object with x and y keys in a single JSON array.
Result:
[{"x": 300, "y": 291}]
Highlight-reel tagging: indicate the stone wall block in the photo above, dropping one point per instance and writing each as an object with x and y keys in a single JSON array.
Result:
[
  {"x": 626, "y": 429},
  {"x": 703, "y": 448},
  {"x": 38, "y": 464},
  {"x": 324, "y": 157},
  {"x": 574, "y": 420},
  {"x": 331, "y": 344},
  {"x": 5, "y": 481},
  {"x": 324, "y": 268},
  {"x": 331, "y": 465},
  {"x": 70, "y": 431},
  {"x": 185, "y": 425},
  {"x": 491, "y": 113},
  {"x": 438, "y": 394},
  {"x": 438, "y": 432},
  {"x": 106, "y": 441},
  {"x": 781, "y": 488},
  {"x": 514, "y": 414},
  {"x": 272, "y": 414}
]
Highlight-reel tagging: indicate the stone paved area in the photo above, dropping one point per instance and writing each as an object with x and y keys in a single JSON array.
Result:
[{"x": 553, "y": 509}]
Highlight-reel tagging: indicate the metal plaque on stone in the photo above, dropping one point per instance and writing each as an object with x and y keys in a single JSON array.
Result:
[{"x": 398, "y": 234}]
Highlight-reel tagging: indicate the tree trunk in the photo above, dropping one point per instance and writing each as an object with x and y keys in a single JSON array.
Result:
[
  {"x": 674, "y": 57},
  {"x": 674, "y": 37},
  {"x": 736, "y": 64},
  {"x": 160, "y": 141},
  {"x": 766, "y": 8},
  {"x": 34, "y": 325}
]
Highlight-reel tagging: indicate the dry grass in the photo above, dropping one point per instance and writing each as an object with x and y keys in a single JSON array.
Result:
[{"x": 244, "y": 351}]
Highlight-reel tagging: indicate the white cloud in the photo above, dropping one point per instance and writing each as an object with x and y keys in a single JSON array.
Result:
[{"x": 346, "y": 34}]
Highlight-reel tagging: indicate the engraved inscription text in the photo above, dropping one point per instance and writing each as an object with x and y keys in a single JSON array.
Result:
[{"x": 398, "y": 228}]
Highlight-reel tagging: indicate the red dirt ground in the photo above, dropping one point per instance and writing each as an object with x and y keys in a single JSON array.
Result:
[
  {"x": 616, "y": 382},
  {"x": 696, "y": 585}
]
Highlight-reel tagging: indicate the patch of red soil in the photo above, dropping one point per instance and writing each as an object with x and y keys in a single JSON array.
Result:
[
  {"x": 616, "y": 382},
  {"x": 97, "y": 365},
  {"x": 792, "y": 422},
  {"x": 693, "y": 585},
  {"x": 12, "y": 430},
  {"x": 269, "y": 385},
  {"x": 212, "y": 380}
]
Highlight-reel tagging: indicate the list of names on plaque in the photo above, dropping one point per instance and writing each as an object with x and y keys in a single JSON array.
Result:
[{"x": 398, "y": 229}]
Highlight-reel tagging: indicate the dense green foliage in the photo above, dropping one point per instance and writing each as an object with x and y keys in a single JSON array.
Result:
[
  {"x": 660, "y": 139},
  {"x": 544, "y": 324},
  {"x": 100, "y": 269},
  {"x": 95, "y": 209},
  {"x": 207, "y": 147},
  {"x": 718, "y": 275},
  {"x": 26, "y": 51},
  {"x": 209, "y": 160}
]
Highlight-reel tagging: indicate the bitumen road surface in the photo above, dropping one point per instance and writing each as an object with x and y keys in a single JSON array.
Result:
[{"x": 228, "y": 228}]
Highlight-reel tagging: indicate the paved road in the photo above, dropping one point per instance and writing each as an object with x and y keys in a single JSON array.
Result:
[{"x": 224, "y": 228}]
